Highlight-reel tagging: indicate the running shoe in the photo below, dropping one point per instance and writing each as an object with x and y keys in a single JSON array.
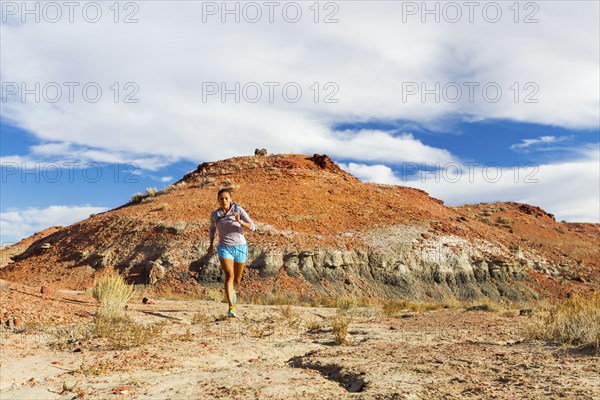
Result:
[{"x": 231, "y": 313}]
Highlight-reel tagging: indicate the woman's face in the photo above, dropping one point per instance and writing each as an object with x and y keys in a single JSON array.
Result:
[{"x": 224, "y": 200}]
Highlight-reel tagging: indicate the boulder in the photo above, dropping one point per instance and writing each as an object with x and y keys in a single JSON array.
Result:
[{"x": 155, "y": 273}]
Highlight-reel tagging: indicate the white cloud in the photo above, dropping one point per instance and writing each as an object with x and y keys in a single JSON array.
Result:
[
  {"x": 66, "y": 154},
  {"x": 18, "y": 223},
  {"x": 371, "y": 55},
  {"x": 569, "y": 190},
  {"x": 526, "y": 143},
  {"x": 166, "y": 178},
  {"x": 372, "y": 173},
  {"x": 374, "y": 145}
]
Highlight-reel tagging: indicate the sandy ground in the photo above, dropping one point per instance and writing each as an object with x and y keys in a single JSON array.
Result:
[{"x": 442, "y": 354}]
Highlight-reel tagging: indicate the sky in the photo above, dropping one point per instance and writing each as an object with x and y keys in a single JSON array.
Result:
[{"x": 471, "y": 102}]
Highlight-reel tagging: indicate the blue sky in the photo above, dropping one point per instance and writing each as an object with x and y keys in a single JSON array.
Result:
[
  {"x": 177, "y": 87},
  {"x": 74, "y": 182},
  {"x": 495, "y": 141}
]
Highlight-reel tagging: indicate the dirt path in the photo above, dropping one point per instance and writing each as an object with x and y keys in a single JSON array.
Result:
[{"x": 445, "y": 354}]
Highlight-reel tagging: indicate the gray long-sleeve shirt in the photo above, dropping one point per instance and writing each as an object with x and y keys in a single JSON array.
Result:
[{"x": 230, "y": 231}]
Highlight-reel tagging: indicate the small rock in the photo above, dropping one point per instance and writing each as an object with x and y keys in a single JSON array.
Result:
[
  {"x": 47, "y": 291},
  {"x": 18, "y": 322},
  {"x": 46, "y": 246},
  {"x": 482, "y": 307},
  {"x": 425, "y": 235},
  {"x": 124, "y": 389},
  {"x": 146, "y": 300}
]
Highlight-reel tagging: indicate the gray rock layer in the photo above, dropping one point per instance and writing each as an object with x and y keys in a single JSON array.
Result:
[{"x": 397, "y": 272}]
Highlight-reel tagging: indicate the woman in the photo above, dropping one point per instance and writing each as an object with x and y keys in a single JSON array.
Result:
[{"x": 229, "y": 220}]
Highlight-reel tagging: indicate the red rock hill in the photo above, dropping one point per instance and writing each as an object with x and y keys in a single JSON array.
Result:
[{"x": 320, "y": 230}]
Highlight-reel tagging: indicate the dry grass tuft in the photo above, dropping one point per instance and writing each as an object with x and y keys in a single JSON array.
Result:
[
  {"x": 339, "y": 326},
  {"x": 394, "y": 307},
  {"x": 95, "y": 368},
  {"x": 278, "y": 299},
  {"x": 274, "y": 299},
  {"x": 112, "y": 293},
  {"x": 72, "y": 388},
  {"x": 205, "y": 181},
  {"x": 346, "y": 303},
  {"x": 485, "y": 305},
  {"x": 125, "y": 332},
  {"x": 293, "y": 299},
  {"x": 260, "y": 330},
  {"x": 213, "y": 294},
  {"x": 288, "y": 315},
  {"x": 142, "y": 197},
  {"x": 187, "y": 336},
  {"x": 452, "y": 303},
  {"x": 111, "y": 322},
  {"x": 287, "y": 312},
  {"x": 314, "y": 325},
  {"x": 575, "y": 321},
  {"x": 63, "y": 337},
  {"x": 199, "y": 318}
]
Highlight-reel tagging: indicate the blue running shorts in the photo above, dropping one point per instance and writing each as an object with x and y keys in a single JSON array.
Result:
[{"x": 238, "y": 252}]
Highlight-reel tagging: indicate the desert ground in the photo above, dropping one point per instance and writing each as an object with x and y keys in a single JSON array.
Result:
[{"x": 281, "y": 352}]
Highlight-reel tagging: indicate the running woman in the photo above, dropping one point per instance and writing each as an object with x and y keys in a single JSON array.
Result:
[{"x": 229, "y": 220}]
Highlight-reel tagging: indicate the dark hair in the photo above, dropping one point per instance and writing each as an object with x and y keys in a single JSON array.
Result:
[{"x": 225, "y": 190}]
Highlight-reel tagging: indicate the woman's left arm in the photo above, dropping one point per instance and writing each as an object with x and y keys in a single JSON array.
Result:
[{"x": 245, "y": 220}]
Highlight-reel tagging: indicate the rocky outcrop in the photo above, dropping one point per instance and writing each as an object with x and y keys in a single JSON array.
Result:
[
  {"x": 397, "y": 261},
  {"x": 415, "y": 270}
]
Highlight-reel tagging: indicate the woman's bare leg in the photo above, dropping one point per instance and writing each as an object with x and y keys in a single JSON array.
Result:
[
  {"x": 238, "y": 271},
  {"x": 227, "y": 266}
]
